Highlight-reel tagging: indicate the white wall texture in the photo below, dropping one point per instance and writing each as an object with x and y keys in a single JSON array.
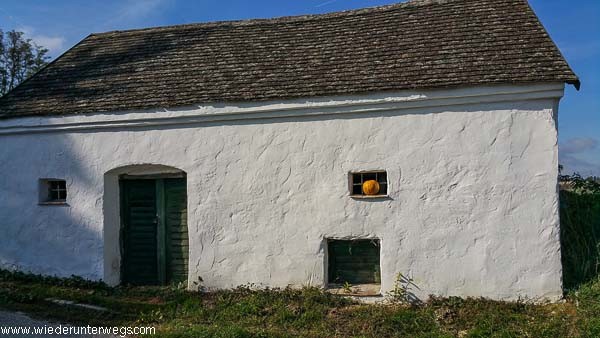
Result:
[{"x": 472, "y": 207}]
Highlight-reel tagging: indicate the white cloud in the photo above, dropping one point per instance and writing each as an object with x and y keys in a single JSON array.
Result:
[
  {"x": 54, "y": 44},
  {"x": 28, "y": 30},
  {"x": 575, "y": 155},
  {"x": 573, "y": 164},
  {"x": 134, "y": 10},
  {"x": 325, "y": 3},
  {"x": 579, "y": 145}
]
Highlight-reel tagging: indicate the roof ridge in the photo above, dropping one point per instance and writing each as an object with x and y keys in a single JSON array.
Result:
[{"x": 282, "y": 19}]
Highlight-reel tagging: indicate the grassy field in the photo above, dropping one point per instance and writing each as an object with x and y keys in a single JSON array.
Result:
[{"x": 297, "y": 313}]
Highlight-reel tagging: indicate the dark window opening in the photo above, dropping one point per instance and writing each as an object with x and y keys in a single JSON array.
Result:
[
  {"x": 358, "y": 180},
  {"x": 353, "y": 261},
  {"x": 53, "y": 191}
]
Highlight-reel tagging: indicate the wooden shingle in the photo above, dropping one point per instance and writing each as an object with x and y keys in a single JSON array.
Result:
[{"x": 418, "y": 44}]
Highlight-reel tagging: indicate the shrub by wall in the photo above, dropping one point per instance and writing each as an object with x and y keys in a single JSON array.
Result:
[{"x": 580, "y": 230}]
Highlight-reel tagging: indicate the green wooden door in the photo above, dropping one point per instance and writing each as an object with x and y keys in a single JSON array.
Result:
[
  {"x": 177, "y": 243},
  {"x": 353, "y": 261},
  {"x": 155, "y": 239},
  {"x": 140, "y": 232}
]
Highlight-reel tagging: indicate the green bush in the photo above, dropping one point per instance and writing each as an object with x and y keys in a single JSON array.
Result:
[{"x": 580, "y": 230}]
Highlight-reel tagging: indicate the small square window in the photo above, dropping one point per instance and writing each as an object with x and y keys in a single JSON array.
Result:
[
  {"x": 368, "y": 183},
  {"x": 353, "y": 261},
  {"x": 53, "y": 191}
]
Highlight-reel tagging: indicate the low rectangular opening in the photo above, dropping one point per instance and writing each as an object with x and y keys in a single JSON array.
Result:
[{"x": 354, "y": 266}]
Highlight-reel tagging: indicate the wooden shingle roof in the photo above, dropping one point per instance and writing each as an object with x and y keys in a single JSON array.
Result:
[{"x": 418, "y": 44}]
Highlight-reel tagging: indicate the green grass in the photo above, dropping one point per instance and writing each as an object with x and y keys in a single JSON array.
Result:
[{"x": 307, "y": 312}]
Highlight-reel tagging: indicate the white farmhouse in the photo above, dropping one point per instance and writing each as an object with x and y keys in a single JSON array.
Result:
[{"x": 417, "y": 138}]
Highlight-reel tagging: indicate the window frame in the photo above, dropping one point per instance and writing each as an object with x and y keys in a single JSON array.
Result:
[
  {"x": 51, "y": 190},
  {"x": 343, "y": 286},
  {"x": 362, "y": 173}
]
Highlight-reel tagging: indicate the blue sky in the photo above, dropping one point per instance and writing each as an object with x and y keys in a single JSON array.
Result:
[{"x": 574, "y": 26}]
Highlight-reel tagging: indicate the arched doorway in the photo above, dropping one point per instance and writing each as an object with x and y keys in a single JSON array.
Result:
[{"x": 153, "y": 245}]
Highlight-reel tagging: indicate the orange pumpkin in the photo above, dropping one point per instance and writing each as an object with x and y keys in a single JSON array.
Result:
[{"x": 370, "y": 187}]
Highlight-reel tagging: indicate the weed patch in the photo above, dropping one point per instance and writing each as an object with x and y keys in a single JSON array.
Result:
[{"x": 307, "y": 312}]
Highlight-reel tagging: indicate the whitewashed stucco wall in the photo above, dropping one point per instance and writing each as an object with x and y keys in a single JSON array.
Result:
[{"x": 473, "y": 207}]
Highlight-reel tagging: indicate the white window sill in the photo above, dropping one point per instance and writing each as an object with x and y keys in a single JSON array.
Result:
[{"x": 369, "y": 197}]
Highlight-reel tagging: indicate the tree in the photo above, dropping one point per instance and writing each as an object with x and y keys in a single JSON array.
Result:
[
  {"x": 19, "y": 59},
  {"x": 578, "y": 183}
]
